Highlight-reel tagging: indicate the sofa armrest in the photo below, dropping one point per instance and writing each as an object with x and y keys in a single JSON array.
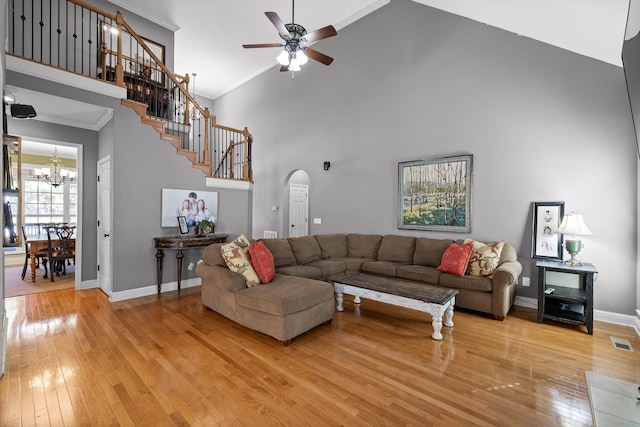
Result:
[
  {"x": 506, "y": 274},
  {"x": 220, "y": 277},
  {"x": 503, "y": 288}
]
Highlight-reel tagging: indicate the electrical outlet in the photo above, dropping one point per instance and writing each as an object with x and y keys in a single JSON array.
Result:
[
  {"x": 190, "y": 267},
  {"x": 525, "y": 282}
]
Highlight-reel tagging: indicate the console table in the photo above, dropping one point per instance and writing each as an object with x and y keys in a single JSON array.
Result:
[{"x": 180, "y": 243}]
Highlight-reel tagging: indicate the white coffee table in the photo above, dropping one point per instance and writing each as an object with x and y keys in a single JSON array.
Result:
[{"x": 435, "y": 300}]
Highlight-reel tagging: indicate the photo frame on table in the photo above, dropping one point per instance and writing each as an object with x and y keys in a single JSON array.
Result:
[
  {"x": 545, "y": 242},
  {"x": 182, "y": 223},
  {"x": 435, "y": 194}
]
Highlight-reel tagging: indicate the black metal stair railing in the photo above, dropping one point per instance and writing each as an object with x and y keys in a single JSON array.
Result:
[{"x": 77, "y": 37}]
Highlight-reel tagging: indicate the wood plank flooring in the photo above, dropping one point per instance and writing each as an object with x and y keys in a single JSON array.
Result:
[{"x": 74, "y": 358}]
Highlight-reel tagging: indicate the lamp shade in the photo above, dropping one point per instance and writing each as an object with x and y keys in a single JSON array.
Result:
[{"x": 573, "y": 224}]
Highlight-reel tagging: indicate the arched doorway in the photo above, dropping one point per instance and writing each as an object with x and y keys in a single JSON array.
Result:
[{"x": 296, "y": 198}]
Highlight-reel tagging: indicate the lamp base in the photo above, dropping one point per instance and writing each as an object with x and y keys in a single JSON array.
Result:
[
  {"x": 573, "y": 261},
  {"x": 573, "y": 247}
]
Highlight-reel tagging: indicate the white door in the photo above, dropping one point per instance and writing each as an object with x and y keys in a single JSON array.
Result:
[
  {"x": 104, "y": 225},
  {"x": 298, "y": 210}
]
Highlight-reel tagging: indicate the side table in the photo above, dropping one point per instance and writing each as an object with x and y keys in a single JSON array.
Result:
[
  {"x": 565, "y": 292},
  {"x": 179, "y": 243}
]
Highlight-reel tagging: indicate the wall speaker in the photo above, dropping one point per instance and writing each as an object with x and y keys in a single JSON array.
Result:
[{"x": 22, "y": 111}]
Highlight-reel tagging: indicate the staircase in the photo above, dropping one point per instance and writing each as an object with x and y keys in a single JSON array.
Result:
[{"x": 77, "y": 37}]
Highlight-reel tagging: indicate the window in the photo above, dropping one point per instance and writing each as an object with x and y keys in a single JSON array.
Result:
[{"x": 45, "y": 203}]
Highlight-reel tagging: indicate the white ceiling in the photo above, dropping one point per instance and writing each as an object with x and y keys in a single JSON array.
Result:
[{"x": 210, "y": 33}]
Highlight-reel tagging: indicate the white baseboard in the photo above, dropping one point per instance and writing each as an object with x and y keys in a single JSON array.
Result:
[
  {"x": 599, "y": 315},
  {"x": 153, "y": 290},
  {"x": 88, "y": 284}
]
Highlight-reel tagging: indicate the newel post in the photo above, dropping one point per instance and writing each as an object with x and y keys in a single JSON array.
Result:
[
  {"x": 187, "y": 109},
  {"x": 247, "y": 171},
  {"x": 205, "y": 153},
  {"x": 119, "y": 66}
]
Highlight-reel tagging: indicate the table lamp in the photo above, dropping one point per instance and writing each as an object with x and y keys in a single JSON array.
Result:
[{"x": 573, "y": 225}]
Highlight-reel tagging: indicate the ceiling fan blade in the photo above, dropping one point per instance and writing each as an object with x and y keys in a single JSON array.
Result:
[
  {"x": 251, "y": 46},
  {"x": 284, "y": 68},
  {"x": 318, "y": 56},
  {"x": 320, "y": 34},
  {"x": 277, "y": 22}
]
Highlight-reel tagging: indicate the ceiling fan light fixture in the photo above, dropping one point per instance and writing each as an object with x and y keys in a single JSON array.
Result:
[
  {"x": 283, "y": 58},
  {"x": 301, "y": 57},
  {"x": 294, "y": 66}
]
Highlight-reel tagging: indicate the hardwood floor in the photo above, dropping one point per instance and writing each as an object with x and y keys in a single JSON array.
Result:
[{"x": 75, "y": 359}]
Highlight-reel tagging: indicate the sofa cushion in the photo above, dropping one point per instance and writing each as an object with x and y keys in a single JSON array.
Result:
[
  {"x": 353, "y": 264},
  {"x": 363, "y": 245},
  {"x": 383, "y": 268},
  {"x": 332, "y": 245},
  {"x": 236, "y": 258},
  {"x": 429, "y": 251},
  {"x": 484, "y": 257},
  {"x": 212, "y": 255},
  {"x": 285, "y": 296},
  {"x": 329, "y": 267},
  {"x": 472, "y": 283},
  {"x": 420, "y": 273},
  {"x": 301, "y": 271},
  {"x": 262, "y": 261},
  {"x": 397, "y": 249},
  {"x": 306, "y": 249},
  {"x": 281, "y": 251},
  {"x": 456, "y": 259}
]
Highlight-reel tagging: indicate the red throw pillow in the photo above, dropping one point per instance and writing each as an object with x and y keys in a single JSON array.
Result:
[
  {"x": 455, "y": 259},
  {"x": 262, "y": 260}
]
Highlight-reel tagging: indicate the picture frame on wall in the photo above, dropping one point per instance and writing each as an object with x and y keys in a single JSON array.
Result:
[
  {"x": 545, "y": 242},
  {"x": 182, "y": 224},
  {"x": 435, "y": 194}
]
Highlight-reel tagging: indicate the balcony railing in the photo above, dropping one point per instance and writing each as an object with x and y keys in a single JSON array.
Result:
[{"x": 77, "y": 37}]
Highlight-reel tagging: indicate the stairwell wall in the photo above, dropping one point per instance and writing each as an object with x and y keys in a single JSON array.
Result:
[{"x": 411, "y": 82}]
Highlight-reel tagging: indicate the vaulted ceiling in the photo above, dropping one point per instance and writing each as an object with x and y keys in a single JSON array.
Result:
[{"x": 209, "y": 33}]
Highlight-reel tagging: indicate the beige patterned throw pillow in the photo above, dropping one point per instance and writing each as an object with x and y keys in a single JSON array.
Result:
[
  {"x": 484, "y": 257},
  {"x": 235, "y": 255}
]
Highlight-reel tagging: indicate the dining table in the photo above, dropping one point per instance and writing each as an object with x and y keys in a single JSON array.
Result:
[{"x": 38, "y": 243}]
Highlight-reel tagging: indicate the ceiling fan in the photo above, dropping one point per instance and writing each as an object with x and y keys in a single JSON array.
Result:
[{"x": 296, "y": 42}]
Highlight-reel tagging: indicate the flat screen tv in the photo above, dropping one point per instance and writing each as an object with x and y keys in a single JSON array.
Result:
[{"x": 194, "y": 205}]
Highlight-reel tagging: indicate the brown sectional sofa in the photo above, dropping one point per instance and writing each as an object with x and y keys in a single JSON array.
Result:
[{"x": 300, "y": 296}]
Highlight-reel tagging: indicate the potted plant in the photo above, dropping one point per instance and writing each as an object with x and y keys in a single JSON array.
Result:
[{"x": 205, "y": 227}]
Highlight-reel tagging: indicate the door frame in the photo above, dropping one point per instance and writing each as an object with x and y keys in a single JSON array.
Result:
[{"x": 108, "y": 291}]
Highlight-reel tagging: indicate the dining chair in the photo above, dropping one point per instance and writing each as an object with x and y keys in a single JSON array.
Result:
[
  {"x": 60, "y": 248},
  {"x": 32, "y": 229}
]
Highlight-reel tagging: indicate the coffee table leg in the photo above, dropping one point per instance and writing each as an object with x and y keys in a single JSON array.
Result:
[
  {"x": 356, "y": 299},
  {"x": 339, "y": 297},
  {"x": 436, "y": 322},
  {"x": 448, "y": 316}
]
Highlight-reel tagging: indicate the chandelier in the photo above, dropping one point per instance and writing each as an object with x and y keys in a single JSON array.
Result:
[{"x": 54, "y": 173}]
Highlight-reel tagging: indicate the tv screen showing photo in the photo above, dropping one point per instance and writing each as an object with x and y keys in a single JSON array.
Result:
[{"x": 194, "y": 205}]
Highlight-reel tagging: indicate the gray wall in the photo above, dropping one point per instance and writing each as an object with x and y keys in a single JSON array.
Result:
[
  {"x": 143, "y": 165},
  {"x": 631, "y": 62},
  {"x": 412, "y": 82}
]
